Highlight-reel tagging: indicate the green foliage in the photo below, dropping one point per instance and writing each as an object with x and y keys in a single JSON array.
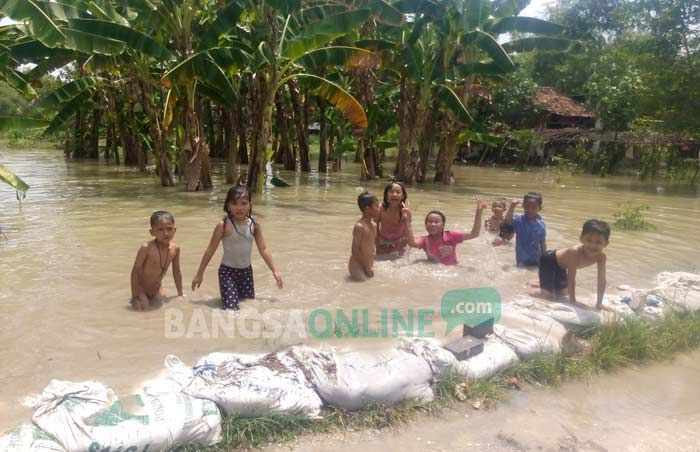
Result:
[{"x": 633, "y": 218}]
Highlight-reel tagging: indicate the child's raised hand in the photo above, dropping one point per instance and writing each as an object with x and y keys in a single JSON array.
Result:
[
  {"x": 278, "y": 278},
  {"x": 480, "y": 205},
  {"x": 196, "y": 282},
  {"x": 514, "y": 202},
  {"x": 406, "y": 215}
]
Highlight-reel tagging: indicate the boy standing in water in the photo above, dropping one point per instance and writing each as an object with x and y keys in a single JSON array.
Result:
[
  {"x": 557, "y": 269},
  {"x": 152, "y": 262},
  {"x": 363, "y": 237},
  {"x": 530, "y": 231}
]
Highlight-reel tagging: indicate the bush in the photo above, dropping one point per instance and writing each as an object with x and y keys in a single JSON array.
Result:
[{"x": 631, "y": 218}]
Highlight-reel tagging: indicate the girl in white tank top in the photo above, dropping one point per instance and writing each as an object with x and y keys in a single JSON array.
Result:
[{"x": 236, "y": 232}]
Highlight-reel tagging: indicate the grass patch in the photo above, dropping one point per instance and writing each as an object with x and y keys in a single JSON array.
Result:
[
  {"x": 627, "y": 342},
  {"x": 632, "y": 218}
]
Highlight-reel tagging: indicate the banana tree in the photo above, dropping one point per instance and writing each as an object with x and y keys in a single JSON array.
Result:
[
  {"x": 287, "y": 40},
  {"x": 437, "y": 77}
]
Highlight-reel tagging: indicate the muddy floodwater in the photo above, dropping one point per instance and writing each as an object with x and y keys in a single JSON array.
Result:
[{"x": 66, "y": 254}]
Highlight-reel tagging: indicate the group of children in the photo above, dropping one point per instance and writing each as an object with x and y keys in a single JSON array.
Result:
[{"x": 383, "y": 232}]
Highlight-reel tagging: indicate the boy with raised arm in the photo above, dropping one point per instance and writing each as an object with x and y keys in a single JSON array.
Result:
[
  {"x": 530, "y": 231},
  {"x": 557, "y": 269}
]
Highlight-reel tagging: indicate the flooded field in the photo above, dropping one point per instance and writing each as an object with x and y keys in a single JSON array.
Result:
[{"x": 69, "y": 248}]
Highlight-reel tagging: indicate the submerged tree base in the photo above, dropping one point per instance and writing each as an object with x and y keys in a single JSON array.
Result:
[{"x": 628, "y": 342}]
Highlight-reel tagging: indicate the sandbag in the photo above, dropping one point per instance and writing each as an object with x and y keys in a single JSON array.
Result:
[
  {"x": 573, "y": 318},
  {"x": 28, "y": 438},
  {"x": 354, "y": 380},
  {"x": 249, "y": 385},
  {"x": 496, "y": 357},
  {"x": 649, "y": 304},
  {"x": 616, "y": 305},
  {"x": 87, "y": 416},
  {"x": 529, "y": 332},
  {"x": 440, "y": 360},
  {"x": 681, "y": 289}
]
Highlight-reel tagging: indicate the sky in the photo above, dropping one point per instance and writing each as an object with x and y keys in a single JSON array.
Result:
[{"x": 537, "y": 8}]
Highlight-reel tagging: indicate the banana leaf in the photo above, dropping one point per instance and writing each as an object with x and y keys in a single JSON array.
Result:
[
  {"x": 338, "y": 97},
  {"x": 539, "y": 43},
  {"x": 135, "y": 40},
  {"x": 226, "y": 20},
  {"x": 348, "y": 57},
  {"x": 90, "y": 43},
  {"x": 69, "y": 91},
  {"x": 68, "y": 110},
  {"x": 277, "y": 182},
  {"x": 524, "y": 25},
  {"x": 320, "y": 33},
  {"x": 12, "y": 179},
  {"x": 478, "y": 68},
  {"x": 477, "y": 137},
  {"x": 202, "y": 67},
  {"x": 19, "y": 122},
  {"x": 448, "y": 98},
  {"x": 38, "y": 23},
  {"x": 490, "y": 46}
]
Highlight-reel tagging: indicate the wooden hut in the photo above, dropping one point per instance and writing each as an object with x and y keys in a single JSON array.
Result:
[{"x": 558, "y": 111}]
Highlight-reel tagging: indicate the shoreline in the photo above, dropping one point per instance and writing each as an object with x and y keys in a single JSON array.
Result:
[{"x": 613, "y": 346}]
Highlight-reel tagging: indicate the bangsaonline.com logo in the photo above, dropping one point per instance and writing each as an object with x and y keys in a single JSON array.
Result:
[{"x": 470, "y": 307}]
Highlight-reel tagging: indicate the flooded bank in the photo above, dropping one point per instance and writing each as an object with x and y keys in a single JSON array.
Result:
[
  {"x": 64, "y": 269},
  {"x": 653, "y": 408}
]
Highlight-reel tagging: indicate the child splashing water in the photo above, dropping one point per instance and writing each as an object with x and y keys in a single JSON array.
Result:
[
  {"x": 440, "y": 245},
  {"x": 236, "y": 232},
  {"x": 392, "y": 231}
]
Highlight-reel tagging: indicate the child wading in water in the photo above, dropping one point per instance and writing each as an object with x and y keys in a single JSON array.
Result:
[
  {"x": 440, "y": 245},
  {"x": 152, "y": 262},
  {"x": 530, "y": 231},
  {"x": 364, "y": 234},
  {"x": 392, "y": 232},
  {"x": 496, "y": 224},
  {"x": 237, "y": 232},
  {"x": 557, "y": 268}
]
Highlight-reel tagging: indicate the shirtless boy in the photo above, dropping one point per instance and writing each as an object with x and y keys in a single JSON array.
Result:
[
  {"x": 363, "y": 236},
  {"x": 557, "y": 268},
  {"x": 152, "y": 262}
]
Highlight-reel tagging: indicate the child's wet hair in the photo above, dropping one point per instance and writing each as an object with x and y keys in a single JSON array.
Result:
[
  {"x": 366, "y": 199},
  {"x": 534, "y": 196},
  {"x": 388, "y": 187},
  {"x": 161, "y": 215},
  {"x": 436, "y": 212},
  {"x": 596, "y": 227},
  {"x": 234, "y": 194},
  {"x": 499, "y": 203}
]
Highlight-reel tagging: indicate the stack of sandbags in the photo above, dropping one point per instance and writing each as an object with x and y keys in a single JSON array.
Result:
[
  {"x": 249, "y": 385},
  {"x": 28, "y": 438},
  {"x": 440, "y": 360},
  {"x": 496, "y": 357},
  {"x": 681, "y": 289},
  {"x": 354, "y": 380},
  {"x": 573, "y": 318},
  {"x": 87, "y": 416},
  {"x": 529, "y": 331}
]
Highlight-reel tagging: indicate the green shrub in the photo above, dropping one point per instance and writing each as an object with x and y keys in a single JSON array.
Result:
[{"x": 632, "y": 218}]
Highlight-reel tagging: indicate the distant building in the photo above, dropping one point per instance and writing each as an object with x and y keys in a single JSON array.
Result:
[{"x": 558, "y": 111}]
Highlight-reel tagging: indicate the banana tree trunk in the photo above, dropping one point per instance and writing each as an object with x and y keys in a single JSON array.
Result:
[
  {"x": 448, "y": 150},
  {"x": 77, "y": 144},
  {"x": 242, "y": 135},
  {"x": 94, "y": 134},
  {"x": 156, "y": 133},
  {"x": 284, "y": 152},
  {"x": 302, "y": 132},
  {"x": 322, "y": 149},
  {"x": 406, "y": 121},
  {"x": 264, "y": 102},
  {"x": 229, "y": 144}
]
